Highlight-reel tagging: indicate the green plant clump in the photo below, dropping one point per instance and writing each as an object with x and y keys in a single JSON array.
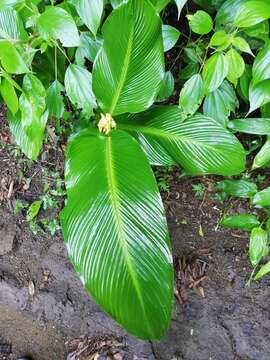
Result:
[{"x": 103, "y": 62}]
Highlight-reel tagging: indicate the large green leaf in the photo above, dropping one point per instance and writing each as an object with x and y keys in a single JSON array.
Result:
[
  {"x": 256, "y": 126},
  {"x": 9, "y": 95},
  {"x": 11, "y": 26},
  {"x": 10, "y": 58},
  {"x": 116, "y": 233},
  {"x": 220, "y": 103},
  {"x": 57, "y": 24},
  {"x": 263, "y": 156},
  {"x": 261, "y": 66},
  {"x": 243, "y": 221},
  {"x": 199, "y": 144},
  {"x": 229, "y": 10},
  {"x": 215, "y": 71},
  {"x": 251, "y": 13},
  {"x": 78, "y": 84},
  {"x": 30, "y": 144},
  {"x": 90, "y": 12},
  {"x": 259, "y": 94},
  {"x": 128, "y": 70}
]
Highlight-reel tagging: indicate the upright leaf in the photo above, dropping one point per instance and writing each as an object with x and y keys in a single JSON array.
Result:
[
  {"x": 262, "y": 198},
  {"x": 55, "y": 103},
  {"x": 9, "y": 95},
  {"x": 215, "y": 71},
  {"x": 57, "y": 24},
  {"x": 220, "y": 103},
  {"x": 128, "y": 70},
  {"x": 258, "y": 246},
  {"x": 192, "y": 94},
  {"x": 265, "y": 269},
  {"x": 236, "y": 66},
  {"x": 180, "y": 4},
  {"x": 259, "y": 94},
  {"x": 116, "y": 234},
  {"x": 167, "y": 87},
  {"x": 78, "y": 84},
  {"x": 263, "y": 156},
  {"x": 170, "y": 36},
  {"x": 199, "y": 144},
  {"x": 90, "y": 12},
  {"x": 89, "y": 47},
  {"x": 32, "y": 104},
  {"x": 261, "y": 66},
  {"x": 30, "y": 143}
]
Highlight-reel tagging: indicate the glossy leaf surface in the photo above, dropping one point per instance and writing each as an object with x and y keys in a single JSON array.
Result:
[
  {"x": 117, "y": 234},
  {"x": 258, "y": 245},
  {"x": 55, "y": 103},
  {"x": 261, "y": 66},
  {"x": 9, "y": 95},
  {"x": 251, "y": 13},
  {"x": 262, "y": 198},
  {"x": 90, "y": 12},
  {"x": 200, "y": 23},
  {"x": 11, "y": 26},
  {"x": 128, "y": 70},
  {"x": 256, "y": 126},
  {"x": 215, "y": 71},
  {"x": 263, "y": 156},
  {"x": 192, "y": 94},
  {"x": 8, "y": 52},
  {"x": 243, "y": 221},
  {"x": 170, "y": 36},
  {"x": 237, "y": 188},
  {"x": 199, "y": 144}
]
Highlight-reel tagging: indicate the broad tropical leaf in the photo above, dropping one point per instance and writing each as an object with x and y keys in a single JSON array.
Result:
[
  {"x": 261, "y": 66},
  {"x": 11, "y": 26},
  {"x": 199, "y": 144},
  {"x": 128, "y": 70},
  {"x": 263, "y": 156},
  {"x": 259, "y": 94},
  {"x": 238, "y": 188},
  {"x": 78, "y": 84},
  {"x": 251, "y": 13},
  {"x": 116, "y": 233},
  {"x": 57, "y": 24}
]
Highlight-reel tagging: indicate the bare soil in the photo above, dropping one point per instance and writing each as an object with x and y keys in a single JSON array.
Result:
[{"x": 46, "y": 313}]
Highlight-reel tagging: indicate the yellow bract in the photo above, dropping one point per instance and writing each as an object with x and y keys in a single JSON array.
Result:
[{"x": 106, "y": 123}]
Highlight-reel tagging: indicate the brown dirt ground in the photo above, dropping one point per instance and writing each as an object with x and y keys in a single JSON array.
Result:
[{"x": 219, "y": 319}]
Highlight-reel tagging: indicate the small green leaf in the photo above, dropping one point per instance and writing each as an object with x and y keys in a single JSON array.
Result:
[
  {"x": 33, "y": 210},
  {"x": 258, "y": 246},
  {"x": 167, "y": 87},
  {"x": 237, "y": 188},
  {"x": 9, "y": 95},
  {"x": 220, "y": 38},
  {"x": 78, "y": 84},
  {"x": 170, "y": 36},
  {"x": 200, "y": 23},
  {"x": 236, "y": 66},
  {"x": 264, "y": 270},
  {"x": 251, "y": 13},
  {"x": 242, "y": 45},
  {"x": 261, "y": 66},
  {"x": 90, "y": 12},
  {"x": 220, "y": 103},
  {"x": 215, "y": 71},
  {"x": 263, "y": 156},
  {"x": 55, "y": 103},
  {"x": 244, "y": 82},
  {"x": 57, "y": 24},
  {"x": 192, "y": 94},
  {"x": 244, "y": 222},
  {"x": 254, "y": 126},
  {"x": 8, "y": 52},
  {"x": 262, "y": 198}
]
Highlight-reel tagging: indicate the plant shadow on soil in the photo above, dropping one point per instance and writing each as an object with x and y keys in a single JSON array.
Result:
[{"x": 43, "y": 304}]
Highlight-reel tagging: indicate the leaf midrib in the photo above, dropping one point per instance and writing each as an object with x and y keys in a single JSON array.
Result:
[
  {"x": 115, "y": 201},
  {"x": 124, "y": 71},
  {"x": 165, "y": 134}
]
